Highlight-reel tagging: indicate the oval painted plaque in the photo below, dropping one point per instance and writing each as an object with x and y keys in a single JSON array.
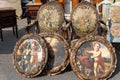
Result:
[
  {"x": 58, "y": 55},
  {"x": 30, "y": 55}
]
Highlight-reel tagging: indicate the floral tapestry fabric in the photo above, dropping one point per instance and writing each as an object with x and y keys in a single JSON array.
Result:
[
  {"x": 115, "y": 14},
  {"x": 50, "y": 16},
  {"x": 84, "y": 18},
  {"x": 115, "y": 18}
]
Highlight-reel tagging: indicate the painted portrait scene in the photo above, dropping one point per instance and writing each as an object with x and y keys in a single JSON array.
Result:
[
  {"x": 93, "y": 60},
  {"x": 29, "y": 56},
  {"x": 57, "y": 53}
]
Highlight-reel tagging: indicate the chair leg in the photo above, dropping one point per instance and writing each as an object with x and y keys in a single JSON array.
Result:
[
  {"x": 1, "y": 36},
  {"x": 13, "y": 30},
  {"x": 16, "y": 31},
  {"x": 28, "y": 20}
]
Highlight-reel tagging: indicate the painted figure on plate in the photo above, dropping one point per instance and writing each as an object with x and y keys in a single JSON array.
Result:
[{"x": 29, "y": 55}]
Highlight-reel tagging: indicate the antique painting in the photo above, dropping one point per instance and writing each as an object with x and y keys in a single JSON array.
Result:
[
  {"x": 29, "y": 57},
  {"x": 58, "y": 56},
  {"x": 93, "y": 60}
]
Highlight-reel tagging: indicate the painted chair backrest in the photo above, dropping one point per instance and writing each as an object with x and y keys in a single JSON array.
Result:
[
  {"x": 85, "y": 22},
  {"x": 50, "y": 16}
]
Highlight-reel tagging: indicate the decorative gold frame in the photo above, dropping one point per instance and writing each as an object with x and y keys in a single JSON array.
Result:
[
  {"x": 42, "y": 64},
  {"x": 74, "y": 52},
  {"x": 51, "y": 54}
]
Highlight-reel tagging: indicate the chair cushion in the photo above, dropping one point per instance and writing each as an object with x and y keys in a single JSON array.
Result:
[
  {"x": 115, "y": 29},
  {"x": 115, "y": 14}
]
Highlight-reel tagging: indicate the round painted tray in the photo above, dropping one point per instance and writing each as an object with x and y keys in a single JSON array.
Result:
[
  {"x": 30, "y": 55},
  {"x": 58, "y": 55},
  {"x": 93, "y": 58},
  {"x": 50, "y": 16},
  {"x": 84, "y": 18}
]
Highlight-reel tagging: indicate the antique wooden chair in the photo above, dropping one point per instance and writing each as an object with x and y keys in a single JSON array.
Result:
[
  {"x": 85, "y": 25},
  {"x": 113, "y": 23},
  {"x": 111, "y": 17},
  {"x": 105, "y": 9},
  {"x": 50, "y": 18}
]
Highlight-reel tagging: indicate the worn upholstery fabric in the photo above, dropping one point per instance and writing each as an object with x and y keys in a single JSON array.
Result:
[
  {"x": 115, "y": 14},
  {"x": 115, "y": 29},
  {"x": 12, "y": 3},
  {"x": 115, "y": 18},
  {"x": 84, "y": 18}
]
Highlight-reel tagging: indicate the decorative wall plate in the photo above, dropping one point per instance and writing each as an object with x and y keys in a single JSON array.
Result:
[
  {"x": 30, "y": 55},
  {"x": 50, "y": 16},
  {"x": 93, "y": 58},
  {"x": 58, "y": 56},
  {"x": 84, "y": 18}
]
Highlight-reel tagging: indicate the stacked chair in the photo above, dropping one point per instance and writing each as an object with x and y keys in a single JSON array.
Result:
[
  {"x": 84, "y": 57},
  {"x": 57, "y": 42}
]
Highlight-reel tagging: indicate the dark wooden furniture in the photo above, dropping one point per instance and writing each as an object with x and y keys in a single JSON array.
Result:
[
  {"x": 31, "y": 10},
  {"x": 8, "y": 19}
]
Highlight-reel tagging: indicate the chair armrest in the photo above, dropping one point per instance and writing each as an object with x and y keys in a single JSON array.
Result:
[
  {"x": 108, "y": 23},
  {"x": 66, "y": 26},
  {"x": 29, "y": 26},
  {"x": 102, "y": 22}
]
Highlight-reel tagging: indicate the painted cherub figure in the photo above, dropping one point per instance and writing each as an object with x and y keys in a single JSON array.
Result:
[{"x": 97, "y": 56}]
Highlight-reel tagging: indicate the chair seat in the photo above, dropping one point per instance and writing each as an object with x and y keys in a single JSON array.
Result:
[{"x": 115, "y": 29}]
